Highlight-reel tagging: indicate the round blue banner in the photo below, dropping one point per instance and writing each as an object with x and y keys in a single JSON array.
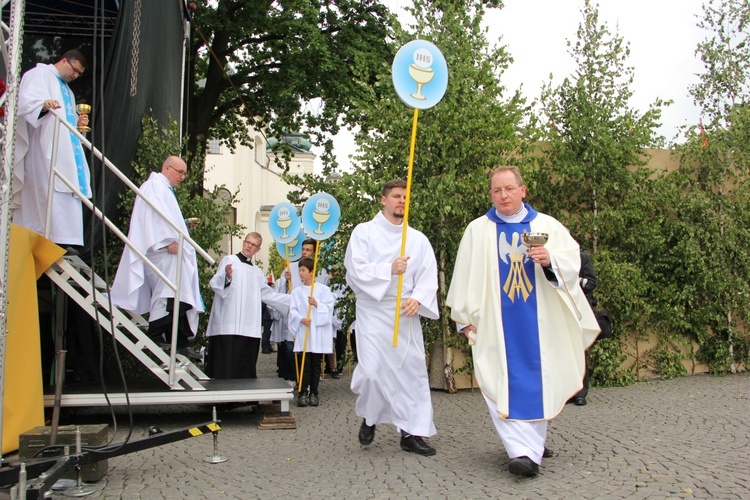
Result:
[
  {"x": 320, "y": 216},
  {"x": 283, "y": 222},
  {"x": 420, "y": 74},
  {"x": 291, "y": 250}
]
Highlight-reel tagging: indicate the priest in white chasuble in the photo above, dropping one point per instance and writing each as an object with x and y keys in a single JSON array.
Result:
[
  {"x": 43, "y": 88},
  {"x": 525, "y": 316},
  {"x": 136, "y": 286}
]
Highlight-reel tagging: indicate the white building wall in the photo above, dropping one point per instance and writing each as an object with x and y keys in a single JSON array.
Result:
[{"x": 255, "y": 174}]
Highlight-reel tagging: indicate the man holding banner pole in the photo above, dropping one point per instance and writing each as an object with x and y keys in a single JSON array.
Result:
[{"x": 391, "y": 383}]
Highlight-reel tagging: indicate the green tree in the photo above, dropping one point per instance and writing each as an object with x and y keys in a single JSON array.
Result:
[
  {"x": 591, "y": 177},
  {"x": 256, "y": 64},
  {"x": 476, "y": 126},
  {"x": 710, "y": 217}
]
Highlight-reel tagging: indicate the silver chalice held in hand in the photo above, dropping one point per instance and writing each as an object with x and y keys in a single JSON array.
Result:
[{"x": 534, "y": 239}]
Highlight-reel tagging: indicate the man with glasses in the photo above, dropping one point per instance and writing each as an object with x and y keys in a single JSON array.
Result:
[
  {"x": 137, "y": 287},
  {"x": 235, "y": 328},
  {"x": 525, "y": 316},
  {"x": 42, "y": 89}
]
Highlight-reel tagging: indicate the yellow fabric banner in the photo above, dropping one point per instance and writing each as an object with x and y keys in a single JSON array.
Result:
[{"x": 23, "y": 404}]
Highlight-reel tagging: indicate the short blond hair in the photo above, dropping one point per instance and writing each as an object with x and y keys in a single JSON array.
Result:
[
  {"x": 255, "y": 235},
  {"x": 508, "y": 168}
]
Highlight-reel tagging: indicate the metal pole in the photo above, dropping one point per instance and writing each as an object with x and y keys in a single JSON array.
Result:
[
  {"x": 60, "y": 355},
  {"x": 175, "y": 315},
  {"x": 51, "y": 185}
]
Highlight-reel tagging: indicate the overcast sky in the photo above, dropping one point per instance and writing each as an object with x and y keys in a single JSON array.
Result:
[{"x": 662, "y": 34}]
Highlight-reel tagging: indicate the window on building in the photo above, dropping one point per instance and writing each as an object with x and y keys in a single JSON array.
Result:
[
  {"x": 260, "y": 151},
  {"x": 214, "y": 147}
]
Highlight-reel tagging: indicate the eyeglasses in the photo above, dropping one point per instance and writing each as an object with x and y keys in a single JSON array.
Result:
[
  {"x": 252, "y": 245},
  {"x": 77, "y": 71},
  {"x": 509, "y": 190},
  {"x": 180, "y": 172}
]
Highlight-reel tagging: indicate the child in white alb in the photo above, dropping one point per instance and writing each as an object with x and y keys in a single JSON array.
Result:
[{"x": 317, "y": 329}]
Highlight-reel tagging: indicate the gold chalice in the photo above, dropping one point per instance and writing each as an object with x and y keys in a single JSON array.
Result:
[
  {"x": 284, "y": 225},
  {"x": 192, "y": 223},
  {"x": 290, "y": 249},
  {"x": 422, "y": 76},
  {"x": 321, "y": 218},
  {"x": 83, "y": 110}
]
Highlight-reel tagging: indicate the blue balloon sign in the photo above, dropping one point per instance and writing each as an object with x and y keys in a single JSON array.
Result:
[
  {"x": 292, "y": 250},
  {"x": 320, "y": 216},
  {"x": 283, "y": 222},
  {"x": 420, "y": 74}
]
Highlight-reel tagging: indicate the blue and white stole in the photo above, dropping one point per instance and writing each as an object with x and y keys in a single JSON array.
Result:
[
  {"x": 71, "y": 117},
  {"x": 518, "y": 303}
]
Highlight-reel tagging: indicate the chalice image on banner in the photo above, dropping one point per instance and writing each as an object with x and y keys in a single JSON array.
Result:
[
  {"x": 291, "y": 254},
  {"x": 534, "y": 239},
  {"x": 84, "y": 110},
  {"x": 284, "y": 221},
  {"x": 321, "y": 214},
  {"x": 421, "y": 72}
]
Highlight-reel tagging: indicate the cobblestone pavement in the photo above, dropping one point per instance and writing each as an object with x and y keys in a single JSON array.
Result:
[{"x": 684, "y": 438}]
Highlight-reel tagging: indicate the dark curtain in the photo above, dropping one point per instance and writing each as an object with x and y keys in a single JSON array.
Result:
[{"x": 142, "y": 76}]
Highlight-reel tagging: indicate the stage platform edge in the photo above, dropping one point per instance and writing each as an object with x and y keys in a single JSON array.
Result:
[{"x": 265, "y": 391}]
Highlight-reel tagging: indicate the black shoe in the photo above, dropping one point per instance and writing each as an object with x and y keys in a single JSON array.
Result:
[
  {"x": 548, "y": 453},
  {"x": 70, "y": 251},
  {"x": 267, "y": 351},
  {"x": 335, "y": 375},
  {"x": 314, "y": 400},
  {"x": 579, "y": 401},
  {"x": 416, "y": 444},
  {"x": 523, "y": 466},
  {"x": 189, "y": 353},
  {"x": 366, "y": 433}
]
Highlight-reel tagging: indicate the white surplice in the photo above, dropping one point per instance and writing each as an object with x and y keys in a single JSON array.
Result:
[
  {"x": 320, "y": 334},
  {"x": 236, "y": 309},
  {"x": 391, "y": 384},
  {"x": 136, "y": 287},
  {"x": 33, "y": 154},
  {"x": 280, "y": 326}
]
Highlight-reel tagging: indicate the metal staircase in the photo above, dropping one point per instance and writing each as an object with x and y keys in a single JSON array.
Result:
[
  {"x": 184, "y": 383},
  {"x": 88, "y": 290}
]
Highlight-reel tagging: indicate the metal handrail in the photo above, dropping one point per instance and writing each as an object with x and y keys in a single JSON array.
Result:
[
  {"x": 130, "y": 185},
  {"x": 182, "y": 236}
]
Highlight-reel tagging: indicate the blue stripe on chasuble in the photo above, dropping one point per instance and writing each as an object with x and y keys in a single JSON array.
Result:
[
  {"x": 520, "y": 327},
  {"x": 71, "y": 116}
]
